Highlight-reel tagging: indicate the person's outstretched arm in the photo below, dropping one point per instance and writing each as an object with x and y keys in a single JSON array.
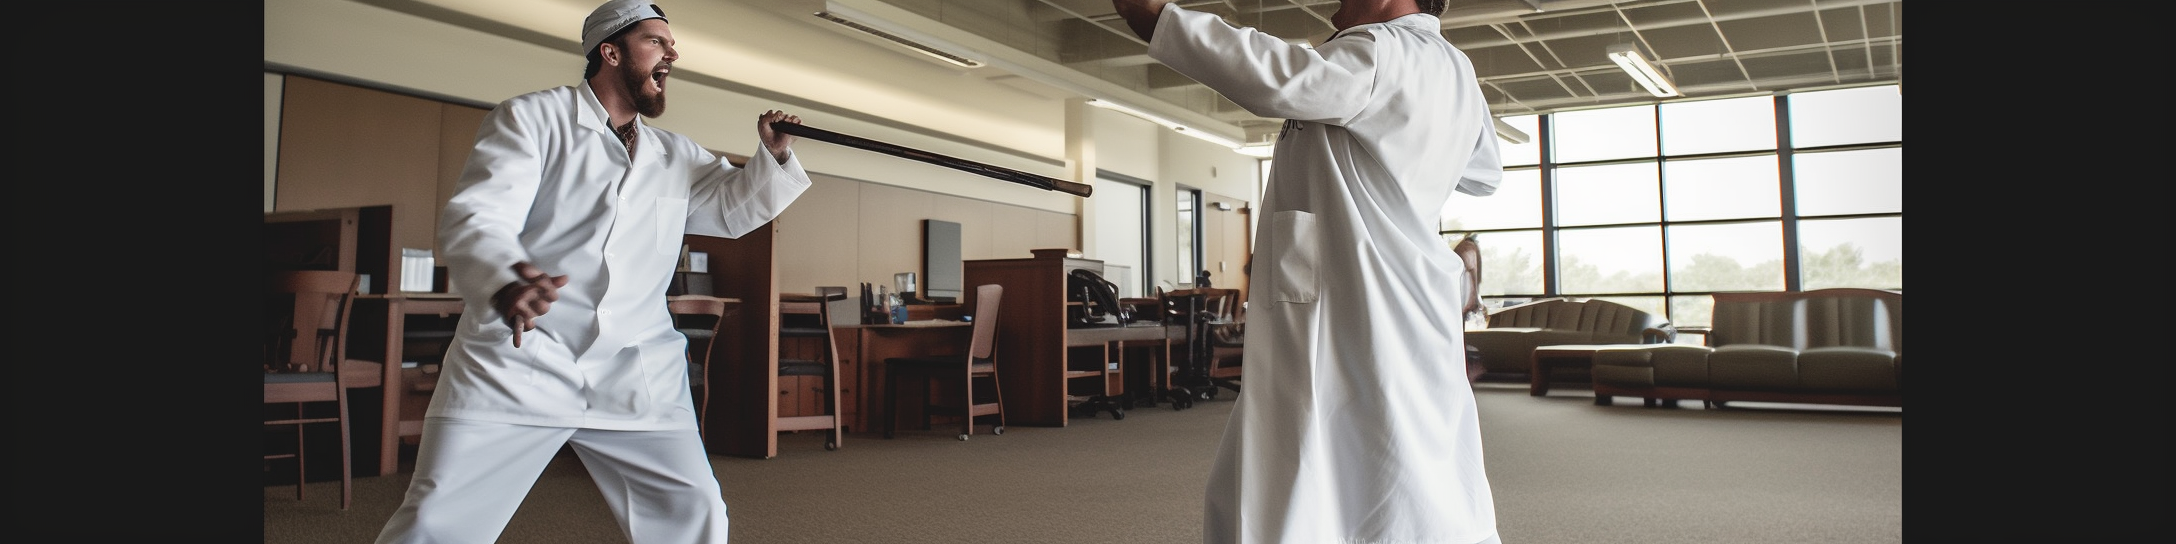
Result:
[{"x": 1140, "y": 15}]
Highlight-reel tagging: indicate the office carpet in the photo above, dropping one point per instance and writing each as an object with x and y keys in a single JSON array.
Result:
[{"x": 1562, "y": 470}]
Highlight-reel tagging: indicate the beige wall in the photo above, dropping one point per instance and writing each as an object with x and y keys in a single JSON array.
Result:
[{"x": 724, "y": 82}]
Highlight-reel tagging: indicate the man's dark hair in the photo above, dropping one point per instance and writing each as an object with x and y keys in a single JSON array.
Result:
[
  {"x": 596, "y": 59},
  {"x": 1432, "y": 7}
]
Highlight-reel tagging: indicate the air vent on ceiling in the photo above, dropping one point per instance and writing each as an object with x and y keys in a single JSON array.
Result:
[{"x": 917, "y": 47}]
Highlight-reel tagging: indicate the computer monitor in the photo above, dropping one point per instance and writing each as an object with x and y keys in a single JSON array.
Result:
[{"x": 943, "y": 274}]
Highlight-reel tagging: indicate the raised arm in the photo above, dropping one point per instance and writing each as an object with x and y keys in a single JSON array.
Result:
[{"x": 1140, "y": 15}]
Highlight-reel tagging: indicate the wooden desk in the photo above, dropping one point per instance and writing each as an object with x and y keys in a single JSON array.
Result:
[
  {"x": 1092, "y": 387},
  {"x": 1041, "y": 359},
  {"x": 400, "y": 415},
  {"x": 863, "y": 350}
]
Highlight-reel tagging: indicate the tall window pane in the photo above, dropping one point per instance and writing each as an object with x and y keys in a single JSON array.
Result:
[
  {"x": 1526, "y": 154},
  {"x": 1610, "y": 260},
  {"x": 1516, "y": 204},
  {"x": 1860, "y": 252},
  {"x": 1121, "y": 212},
  {"x": 1727, "y": 257},
  {"x": 1612, "y": 133},
  {"x": 1690, "y": 311},
  {"x": 1849, "y": 182},
  {"x": 1710, "y": 126},
  {"x": 1733, "y": 188},
  {"x": 1847, "y": 116},
  {"x": 1510, "y": 262},
  {"x": 1609, "y": 194},
  {"x": 1189, "y": 236}
]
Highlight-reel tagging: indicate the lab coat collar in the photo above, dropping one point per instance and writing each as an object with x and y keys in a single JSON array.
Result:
[
  {"x": 589, "y": 112},
  {"x": 1419, "y": 21}
]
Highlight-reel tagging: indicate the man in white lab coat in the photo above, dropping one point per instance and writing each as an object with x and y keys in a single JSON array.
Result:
[
  {"x": 561, "y": 237},
  {"x": 1357, "y": 424}
]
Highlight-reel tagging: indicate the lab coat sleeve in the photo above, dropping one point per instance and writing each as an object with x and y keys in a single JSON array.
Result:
[
  {"x": 1485, "y": 169},
  {"x": 1264, "y": 74},
  {"x": 480, "y": 228},
  {"x": 730, "y": 201}
]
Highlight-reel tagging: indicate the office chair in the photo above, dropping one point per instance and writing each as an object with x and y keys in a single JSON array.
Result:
[
  {"x": 974, "y": 374},
  {"x": 804, "y": 328},
  {"x": 305, "y": 346},
  {"x": 1227, "y": 338},
  {"x": 1207, "y": 313}
]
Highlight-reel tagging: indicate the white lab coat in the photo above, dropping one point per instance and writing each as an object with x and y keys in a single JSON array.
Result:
[
  {"x": 1357, "y": 423},
  {"x": 549, "y": 184}
]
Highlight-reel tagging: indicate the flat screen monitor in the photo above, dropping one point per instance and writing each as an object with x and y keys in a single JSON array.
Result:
[{"x": 942, "y": 271}]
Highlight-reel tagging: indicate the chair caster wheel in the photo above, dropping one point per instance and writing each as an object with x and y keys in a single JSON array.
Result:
[
  {"x": 963, "y": 437},
  {"x": 1118, "y": 414},
  {"x": 831, "y": 446},
  {"x": 997, "y": 430}
]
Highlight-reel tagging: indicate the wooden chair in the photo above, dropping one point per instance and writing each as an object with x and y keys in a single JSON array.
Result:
[
  {"x": 972, "y": 376},
  {"x": 804, "y": 328},
  {"x": 305, "y": 347},
  {"x": 1227, "y": 332},
  {"x": 698, "y": 317}
]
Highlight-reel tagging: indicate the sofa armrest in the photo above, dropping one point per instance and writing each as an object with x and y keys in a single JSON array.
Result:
[
  {"x": 1660, "y": 334},
  {"x": 1701, "y": 332}
]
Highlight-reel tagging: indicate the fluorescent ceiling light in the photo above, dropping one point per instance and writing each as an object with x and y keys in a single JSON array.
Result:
[
  {"x": 1510, "y": 133},
  {"x": 1628, "y": 57},
  {"x": 895, "y": 39},
  {"x": 1167, "y": 123}
]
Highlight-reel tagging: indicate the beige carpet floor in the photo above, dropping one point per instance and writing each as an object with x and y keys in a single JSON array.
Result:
[{"x": 1562, "y": 470}]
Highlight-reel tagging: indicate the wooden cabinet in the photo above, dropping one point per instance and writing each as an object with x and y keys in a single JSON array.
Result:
[
  {"x": 344, "y": 239},
  {"x": 343, "y": 146},
  {"x": 1035, "y": 358}
]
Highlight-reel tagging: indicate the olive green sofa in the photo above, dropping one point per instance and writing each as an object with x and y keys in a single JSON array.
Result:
[
  {"x": 1506, "y": 347},
  {"x": 1827, "y": 346}
]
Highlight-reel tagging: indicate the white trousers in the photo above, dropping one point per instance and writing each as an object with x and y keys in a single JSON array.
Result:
[{"x": 471, "y": 476}]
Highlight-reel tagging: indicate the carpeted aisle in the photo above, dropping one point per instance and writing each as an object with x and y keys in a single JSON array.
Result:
[{"x": 1563, "y": 471}]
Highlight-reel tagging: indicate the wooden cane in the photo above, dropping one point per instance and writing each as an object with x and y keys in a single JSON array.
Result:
[{"x": 1040, "y": 182}]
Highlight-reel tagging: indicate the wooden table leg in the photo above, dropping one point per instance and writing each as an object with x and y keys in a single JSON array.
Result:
[{"x": 1546, "y": 361}]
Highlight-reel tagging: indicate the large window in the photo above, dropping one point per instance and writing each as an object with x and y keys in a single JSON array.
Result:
[
  {"x": 1189, "y": 235},
  {"x": 1658, "y": 206},
  {"x": 1122, "y": 227}
]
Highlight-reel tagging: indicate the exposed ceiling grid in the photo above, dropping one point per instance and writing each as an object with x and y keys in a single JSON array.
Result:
[{"x": 1531, "y": 56}]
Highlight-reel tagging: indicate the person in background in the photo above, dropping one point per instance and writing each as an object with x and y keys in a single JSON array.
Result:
[
  {"x": 1351, "y": 429},
  {"x": 1468, "y": 249},
  {"x": 561, "y": 237}
]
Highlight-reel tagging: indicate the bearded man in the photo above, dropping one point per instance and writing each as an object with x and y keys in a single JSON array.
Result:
[{"x": 561, "y": 238}]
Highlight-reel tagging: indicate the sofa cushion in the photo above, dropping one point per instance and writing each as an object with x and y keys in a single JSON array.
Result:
[
  {"x": 1680, "y": 365},
  {"x": 1630, "y": 368},
  {"x": 1753, "y": 367},
  {"x": 1847, "y": 369}
]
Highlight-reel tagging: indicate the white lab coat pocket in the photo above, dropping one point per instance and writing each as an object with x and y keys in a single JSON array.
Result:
[
  {"x": 1294, "y": 278},
  {"x": 664, "y": 367},
  {"x": 671, "y": 220}
]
